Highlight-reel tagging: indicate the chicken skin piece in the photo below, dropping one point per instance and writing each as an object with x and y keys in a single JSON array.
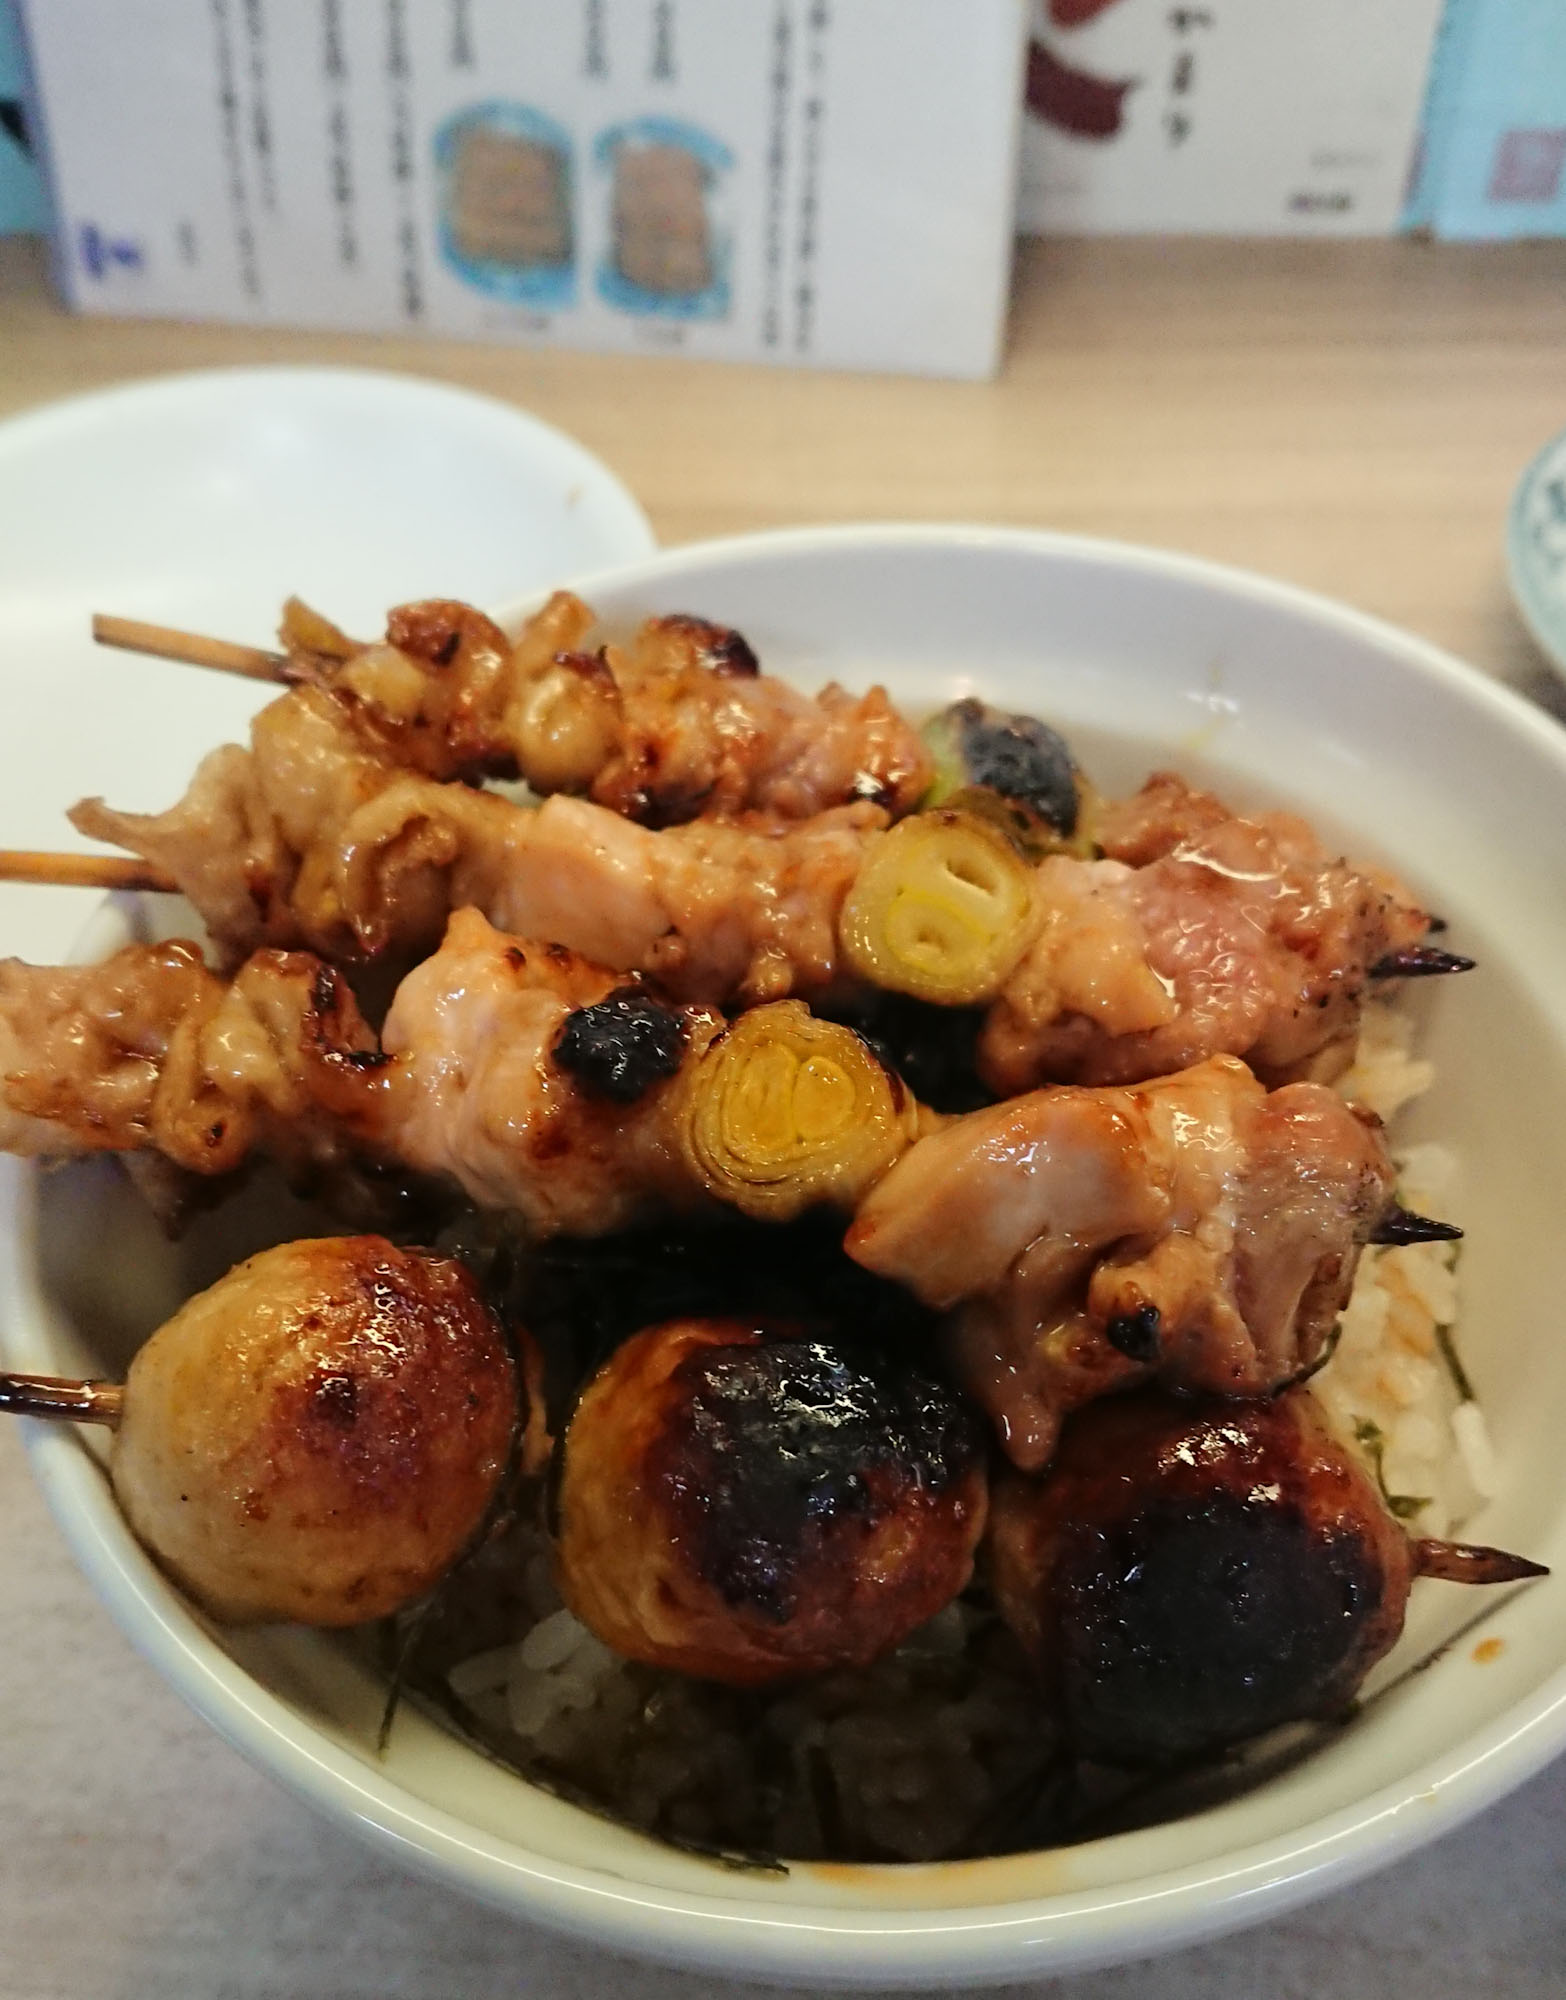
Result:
[
  {"x": 1199, "y": 1229},
  {"x": 717, "y": 912},
  {"x": 323, "y": 845},
  {"x": 1188, "y": 1575},
  {"x": 678, "y": 723},
  {"x": 748, "y": 1508},
  {"x": 1201, "y": 933},
  {"x": 289, "y": 842},
  {"x": 691, "y": 728},
  {"x": 340, "y": 825},
  {"x": 477, "y": 1077},
  {"x": 319, "y": 1435},
  {"x": 487, "y": 1081}
]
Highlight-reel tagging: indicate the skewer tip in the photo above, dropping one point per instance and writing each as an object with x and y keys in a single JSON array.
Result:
[
  {"x": 1471, "y": 1562},
  {"x": 1420, "y": 961},
  {"x": 1400, "y": 1225},
  {"x": 62, "y": 1399}
]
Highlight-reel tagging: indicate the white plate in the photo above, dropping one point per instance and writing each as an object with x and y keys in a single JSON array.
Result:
[
  {"x": 203, "y": 500},
  {"x": 1140, "y": 657}
]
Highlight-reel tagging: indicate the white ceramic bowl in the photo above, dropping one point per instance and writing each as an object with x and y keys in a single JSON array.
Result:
[{"x": 1143, "y": 659}]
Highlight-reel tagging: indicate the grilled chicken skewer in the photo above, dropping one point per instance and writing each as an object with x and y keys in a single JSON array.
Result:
[
  {"x": 679, "y": 722},
  {"x": 1245, "y": 939},
  {"x": 1187, "y": 1575},
  {"x": 538, "y": 1082},
  {"x": 309, "y": 839},
  {"x": 1198, "y": 1230},
  {"x": 317, "y": 1437}
]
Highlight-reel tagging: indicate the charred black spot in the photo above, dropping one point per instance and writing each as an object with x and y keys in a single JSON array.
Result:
[
  {"x": 431, "y": 630},
  {"x": 367, "y": 1059},
  {"x": 335, "y": 1399},
  {"x": 620, "y": 1047},
  {"x": 724, "y": 650},
  {"x": 1021, "y": 758},
  {"x": 1195, "y": 1626},
  {"x": 1135, "y": 1334},
  {"x": 591, "y": 668},
  {"x": 671, "y": 807},
  {"x": 783, "y": 1439},
  {"x": 731, "y": 654}
]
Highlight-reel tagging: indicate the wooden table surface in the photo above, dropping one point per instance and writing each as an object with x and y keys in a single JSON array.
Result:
[{"x": 1351, "y": 417}]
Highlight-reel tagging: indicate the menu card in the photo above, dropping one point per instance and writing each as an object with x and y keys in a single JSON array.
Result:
[
  {"x": 806, "y": 181},
  {"x": 1235, "y": 117}
]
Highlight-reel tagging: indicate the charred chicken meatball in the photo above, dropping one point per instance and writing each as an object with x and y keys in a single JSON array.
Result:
[
  {"x": 747, "y": 1508},
  {"x": 319, "y": 1435},
  {"x": 1191, "y": 1574}
]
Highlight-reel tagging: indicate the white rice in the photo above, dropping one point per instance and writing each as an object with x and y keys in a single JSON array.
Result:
[
  {"x": 1390, "y": 1387},
  {"x": 936, "y": 1749}
]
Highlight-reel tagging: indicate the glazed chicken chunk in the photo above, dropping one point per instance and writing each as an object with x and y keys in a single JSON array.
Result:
[
  {"x": 748, "y": 1507},
  {"x": 467, "y": 1081},
  {"x": 1202, "y": 932},
  {"x": 1198, "y": 1229},
  {"x": 718, "y": 912}
]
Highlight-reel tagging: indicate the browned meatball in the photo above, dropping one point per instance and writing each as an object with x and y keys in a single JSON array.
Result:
[
  {"x": 745, "y": 1507},
  {"x": 318, "y": 1435},
  {"x": 1190, "y": 1574}
]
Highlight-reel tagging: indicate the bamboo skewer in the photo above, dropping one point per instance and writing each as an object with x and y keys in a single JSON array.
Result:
[
  {"x": 53, "y": 1396},
  {"x": 82, "y": 871},
  {"x": 1419, "y": 961},
  {"x": 165, "y": 642}
]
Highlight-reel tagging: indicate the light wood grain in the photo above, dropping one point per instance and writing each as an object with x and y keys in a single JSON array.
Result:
[
  {"x": 44, "y": 869},
  {"x": 1348, "y": 416},
  {"x": 192, "y": 649}
]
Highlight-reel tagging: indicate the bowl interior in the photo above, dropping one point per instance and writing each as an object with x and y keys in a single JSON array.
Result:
[{"x": 1143, "y": 662}]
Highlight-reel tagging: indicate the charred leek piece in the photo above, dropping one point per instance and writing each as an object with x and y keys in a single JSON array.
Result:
[
  {"x": 939, "y": 910},
  {"x": 1019, "y": 759},
  {"x": 786, "y": 1112}
]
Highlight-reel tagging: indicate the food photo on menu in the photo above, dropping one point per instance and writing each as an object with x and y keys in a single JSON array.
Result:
[{"x": 792, "y": 1214}]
